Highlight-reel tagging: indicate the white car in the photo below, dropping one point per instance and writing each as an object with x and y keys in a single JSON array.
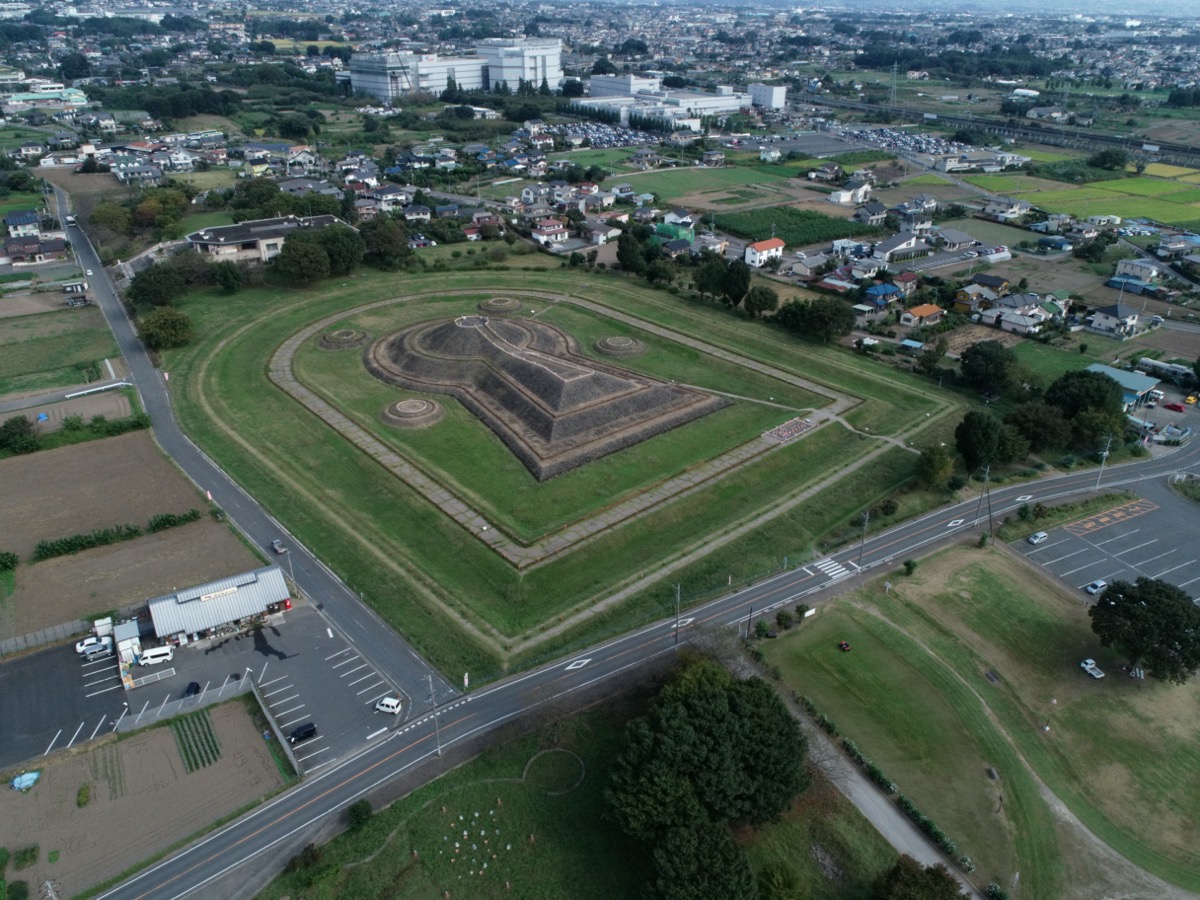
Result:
[
  {"x": 1038, "y": 537},
  {"x": 1096, "y": 586},
  {"x": 93, "y": 642},
  {"x": 1089, "y": 666},
  {"x": 389, "y": 705},
  {"x": 89, "y": 271}
]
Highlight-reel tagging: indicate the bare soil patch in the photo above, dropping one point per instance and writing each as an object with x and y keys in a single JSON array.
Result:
[
  {"x": 110, "y": 404},
  {"x": 120, "y": 575},
  {"x": 141, "y": 800},
  {"x": 28, "y": 304},
  {"x": 962, "y": 338}
]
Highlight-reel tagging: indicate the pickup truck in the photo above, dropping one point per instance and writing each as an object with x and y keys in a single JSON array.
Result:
[
  {"x": 1089, "y": 666},
  {"x": 277, "y": 546}
]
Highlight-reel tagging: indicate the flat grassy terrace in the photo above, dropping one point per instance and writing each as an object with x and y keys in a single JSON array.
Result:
[
  {"x": 461, "y": 604},
  {"x": 671, "y": 184},
  {"x": 50, "y": 350},
  {"x": 913, "y": 694}
]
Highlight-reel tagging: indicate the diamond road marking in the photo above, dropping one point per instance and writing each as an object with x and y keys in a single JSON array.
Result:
[
  {"x": 578, "y": 664},
  {"x": 685, "y": 622},
  {"x": 1024, "y": 497},
  {"x": 955, "y": 522}
]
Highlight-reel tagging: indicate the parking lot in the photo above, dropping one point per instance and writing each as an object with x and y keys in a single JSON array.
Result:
[
  {"x": 1155, "y": 536},
  {"x": 54, "y": 699}
]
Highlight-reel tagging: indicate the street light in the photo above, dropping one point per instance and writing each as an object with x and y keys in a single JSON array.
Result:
[{"x": 433, "y": 703}]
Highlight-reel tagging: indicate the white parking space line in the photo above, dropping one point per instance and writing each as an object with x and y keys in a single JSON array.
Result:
[
  {"x": 98, "y": 724},
  {"x": 75, "y": 735},
  {"x": 339, "y": 653},
  {"x": 103, "y": 678},
  {"x": 355, "y": 669},
  {"x": 1143, "y": 562},
  {"x": 287, "y": 712},
  {"x": 1068, "y": 556},
  {"x": 286, "y": 687},
  {"x": 1121, "y": 537},
  {"x": 103, "y": 691},
  {"x": 346, "y": 662},
  {"x": 1138, "y": 547},
  {"x": 290, "y": 722},
  {"x": 1180, "y": 566},
  {"x": 1047, "y": 547},
  {"x": 1084, "y": 566},
  {"x": 285, "y": 699},
  {"x": 370, "y": 687},
  {"x": 372, "y": 700},
  {"x": 364, "y": 678},
  {"x": 311, "y": 755},
  {"x": 1193, "y": 581},
  {"x": 48, "y": 749},
  {"x": 263, "y": 684}
]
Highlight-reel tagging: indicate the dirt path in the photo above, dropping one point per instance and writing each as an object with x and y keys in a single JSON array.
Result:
[{"x": 141, "y": 801}]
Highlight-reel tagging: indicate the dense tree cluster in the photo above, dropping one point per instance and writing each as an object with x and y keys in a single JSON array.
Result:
[
  {"x": 711, "y": 751},
  {"x": 1154, "y": 623},
  {"x": 907, "y": 879}
]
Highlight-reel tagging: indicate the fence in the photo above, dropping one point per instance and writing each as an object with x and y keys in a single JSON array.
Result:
[
  {"x": 136, "y": 717},
  {"x": 52, "y": 635}
]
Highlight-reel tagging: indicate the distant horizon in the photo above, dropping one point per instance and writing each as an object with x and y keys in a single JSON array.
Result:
[{"x": 1109, "y": 9}]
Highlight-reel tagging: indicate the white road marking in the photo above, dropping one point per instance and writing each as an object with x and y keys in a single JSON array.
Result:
[
  {"x": 370, "y": 687},
  {"x": 1144, "y": 562},
  {"x": 1024, "y": 497},
  {"x": 290, "y": 722},
  {"x": 1186, "y": 583},
  {"x": 1084, "y": 566},
  {"x": 364, "y": 678},
  {"x": 75, "y": 735},
  {"x": 832, "y": 568},
  {"x": 578, "y": 664},
  {"x": 375, "y": 734},
  {"x": 954, "y": 523},
  {"x": 1138, "y": 547},
  {"x": 284, "y": 700},
  {"x": 1068, "y": 556},
  {"x": 311, "y": 755},
  {"x": 284, "y": 712},
  {"x": 286, "y": 687},
  {"x": 48, "y": 749},
  {"x": 339, "y": 653},
  {"x": 103, "y": 691},
  {"x": 98, "y": 724},
  {"x": 355, "y": 669},
  {"x": 1180, "y": 566},
  {"x": 329, "y": 631},
  {"x": 263, "y": 684}
]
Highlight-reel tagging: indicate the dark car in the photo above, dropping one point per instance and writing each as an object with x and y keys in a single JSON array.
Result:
[
  {"x": 303, "y": 733},
  {"x": 193, "y": 689},
  {"x": 1175, "y": 407}
]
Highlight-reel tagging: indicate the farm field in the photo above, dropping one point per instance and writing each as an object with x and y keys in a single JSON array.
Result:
[
  {"x": 140, "y": 800},
  {"x": 672, "y": 184},
  {"x": 991, "y": 232},
  {"x": 49, "y": 350},
  {"x": 913, "y": 696},
  {"x": 72, "y": 490},
  {"x": 550, "y": 785},
  {"x": 22, "y": 200},
  {"x": 406, "y": 555},
  {"x": 797, "y": 227}
]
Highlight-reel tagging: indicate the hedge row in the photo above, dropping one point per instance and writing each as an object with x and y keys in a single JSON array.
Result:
[
  {"x": 102, "y": 537},
  {"x": 927, "y": 825},
  {"x": 163, "y": 521},
  {"x": 873, "y": 771}
]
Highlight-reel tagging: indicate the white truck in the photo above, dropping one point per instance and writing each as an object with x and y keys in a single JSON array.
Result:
[{"x": 1089, "y": 666}]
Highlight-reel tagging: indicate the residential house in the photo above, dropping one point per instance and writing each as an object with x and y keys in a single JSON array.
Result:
[
  {"x": 257, "y": 240},
  {"x": 301, "y": 186},
  {"x": 907, "y": 282},
  {"x": 826, "y": 172},
  {"x": 901, "y": 247},
  {"x": 624, "y": 191},
  {"x": 1172, "y": 246},
  {"x": 1134, "y": 385},
  {"x": 679, "y": 216},
  {"x": 535, "y": 193},
  {"x": 711, "y": 243},
  {"x": 1006, "y": 209},
  {"x": 366, "y": 209},
  {"x": 998, "y": 284},
  {"x": 600, "y": 233},
  {"x": 1116, "y": 319},
  {"x": 391, "y": 196},
  {"x": 712, "y": 158},
  {"x": 866, "y": 313},
  {"x": 550, "y": 232},
  {"x": 1055, "y": 243},
  {"x": 139, "y": 176},
  {"x": 769, "y": 154},
  {"x": 1141, "y": 268},
  {"x": 917, "y": 224},
  {"x": 925, "y": 314},
  {"x": 882, "y": 296},
  {"x": 760, "y": 253},
  {"x": 951, "y": 239},
  {"x": 1016, "y": 323},
  {"x": 677, "y": 247},
  {"x": 416, "y": 212},
  {"x": 22, "y": 223},
  {"x": 854, "y": 192},
  {"x": 971, "y": 298},
  {"x": 872, "y": 213}
]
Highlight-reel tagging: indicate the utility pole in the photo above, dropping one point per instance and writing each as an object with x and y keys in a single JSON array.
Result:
[
  {"x": 987, "y": 489},
  {"x": 861, "y": 546},
  {"x": 433, "y": 703},
  {"x": 986, "y": 472},
  {"x": 749, "y": 618},
  {"x": 1103, "y": 459},
  {"x": 676, "y": 615}
]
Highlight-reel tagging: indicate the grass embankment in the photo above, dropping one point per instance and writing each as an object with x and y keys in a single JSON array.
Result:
[
  {"x": 915, "y": 696},
  {"x": 549, "y": 785},
  {"x": 412, "y": 564}
]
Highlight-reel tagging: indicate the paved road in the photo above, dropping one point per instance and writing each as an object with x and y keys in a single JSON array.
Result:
[
  {"x": 211, "y": 867},
  {"x": 360, "y": 626}
]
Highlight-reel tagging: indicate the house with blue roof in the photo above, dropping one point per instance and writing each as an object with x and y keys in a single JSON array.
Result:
[
  {"x": 22, "y": 223},
  {"x": 882, "y": 295}
]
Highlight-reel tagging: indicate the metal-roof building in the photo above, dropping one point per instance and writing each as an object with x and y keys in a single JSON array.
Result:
[{"x": 196, "y": 610}]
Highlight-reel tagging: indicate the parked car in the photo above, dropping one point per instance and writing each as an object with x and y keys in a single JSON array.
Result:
[
  {"x": 92, "y": 643},
  {"x": 389, "y": 705},
  {"x": 303, "y": 733},
  {"x": 277, "y": 546},
  {"x": 1096, "y": 586},
  {"x": 1191, "y": 399},
  {"x": 1089, "y": 666},
  {"x": 1174, "y": 407},
  {"x": 192, "y": 689},
  {"x": 1038, "y": 537}
]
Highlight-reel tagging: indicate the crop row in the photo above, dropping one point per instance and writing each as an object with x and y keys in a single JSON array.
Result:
[
  {"x": 102, "y": 537},
  {"x": 197, "y": 743}
]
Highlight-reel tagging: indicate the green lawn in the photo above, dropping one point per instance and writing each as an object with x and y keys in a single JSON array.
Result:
[
  {"x": 219, "y": 177},
  {"x": 671, "y": 184},
  {"x": 1047, "y": 156},
  {"x": 913, "y": 695},
  {"x": 927, "y": 179},
  {"x": 1050, "y": 362},
  {"x": 21, "y": 200},
  {"x": 45, "y": 351},
  {"x": 997, "y": 184},
  {"x": 197, "y": 221},
  {"x": 610, "y": 158},
  {"x": 1141, "y": 187}
]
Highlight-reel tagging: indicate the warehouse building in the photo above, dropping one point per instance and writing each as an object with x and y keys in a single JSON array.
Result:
[{"x": 228, "y": 603}]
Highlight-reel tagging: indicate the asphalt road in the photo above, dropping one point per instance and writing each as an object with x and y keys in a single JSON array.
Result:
[
  {"x": 344, "y": 610},
  {"x": 211, "y": 866}
]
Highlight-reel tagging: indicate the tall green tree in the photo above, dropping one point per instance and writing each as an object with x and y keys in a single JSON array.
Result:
[
  {"x": 629, "y": 254},
  {"x": 1154, "y": 623},
  {"x": 165, "y": 327},
  {"x": 1092, "y": 403},
  {"x": 934, "y": 466},
  {"x": 977, "y": 438},
  {"x": 344, "y": 247},
  {"x": 1042, "y": 425},
  {"x": 987, "y": 364},
  {"x": 302, "y": 260},
  {"x": 385, "y": 244},
  {"x": 20, "y": 434},
  {"x": 822, "y": 319},
  {"x": 157, "y": 285},
  {"x": 761, "y": 299},
  {"x": 701, "y": 860},
  {"x": 709, "y": 275},
  {"x": 736, "y": 283}
]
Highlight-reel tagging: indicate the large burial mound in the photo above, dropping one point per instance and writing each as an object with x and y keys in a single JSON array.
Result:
[{"x": 553, "y": 408}]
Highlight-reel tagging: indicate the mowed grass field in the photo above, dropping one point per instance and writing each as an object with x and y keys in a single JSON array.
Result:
[
  {"x": 46, "y": 351},
  {"x": 915, "y": 696},
  {"x": 549, "y": 785},
  {"x": 459, "y": 602},
  {"x": 1172, "y": 199},
  {"x": 670, "y": 184}
]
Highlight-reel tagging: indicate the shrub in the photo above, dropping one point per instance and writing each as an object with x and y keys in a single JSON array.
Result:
[
  {"x": 981, "y": 543},
  {"x": 18, "y": 890},
  {"x": 910, "y": 566},
  {"x": 784, "y": 619},
  {"x": 956, "y": 482},
  {"x": 801, "y": 611},
  {"x": 827, "y": 725},
  {"x": 359, "y": 814},
  {"x": 889, "y": 507},
  {"x": 101, "y": 537},
  {"x": 8, "y": 561},
  {"x": 72, "y": 423},
  {"x": 995, "y": 892},
  {"x": 163, "y": 521},
  {"x": 84, "y": 796},
  {"x": 761, "y": 628},
  {"x": 25, "y": 857}
]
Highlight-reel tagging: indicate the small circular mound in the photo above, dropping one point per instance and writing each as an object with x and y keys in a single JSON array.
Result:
[
  {"x": 412, "y": 413},
  {"x": 343, "y": 339},
  {"x": 500, "y": 305},
  {"x": 620, "y": 346}
]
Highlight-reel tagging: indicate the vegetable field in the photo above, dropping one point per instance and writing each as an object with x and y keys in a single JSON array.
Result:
[
  {"x": 797, "y": 227},
  {"x": 197, "y": 743}
]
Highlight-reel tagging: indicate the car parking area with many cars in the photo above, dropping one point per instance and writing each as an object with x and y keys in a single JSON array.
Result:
[{"x": 1150, "y": 537}]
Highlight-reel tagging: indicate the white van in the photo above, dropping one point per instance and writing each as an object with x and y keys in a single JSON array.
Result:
[{"x": 154, "y": 655}]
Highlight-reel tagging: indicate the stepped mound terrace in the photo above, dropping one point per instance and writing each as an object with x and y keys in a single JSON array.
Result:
[{"x": 554, "y": 408}]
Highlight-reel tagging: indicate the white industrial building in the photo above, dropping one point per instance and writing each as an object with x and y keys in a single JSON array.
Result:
[
  {"x": 621, "y": 85},
  {"x": 683, "y": 109},
  {"x": 768, "y": 96},
  {"x": 388, "y": 76}
]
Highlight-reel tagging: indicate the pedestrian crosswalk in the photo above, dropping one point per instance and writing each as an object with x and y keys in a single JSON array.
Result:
[{"x": 832, "y": 568}]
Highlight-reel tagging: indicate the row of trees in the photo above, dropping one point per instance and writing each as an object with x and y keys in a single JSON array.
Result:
[{"x": 712, "y": 751}]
